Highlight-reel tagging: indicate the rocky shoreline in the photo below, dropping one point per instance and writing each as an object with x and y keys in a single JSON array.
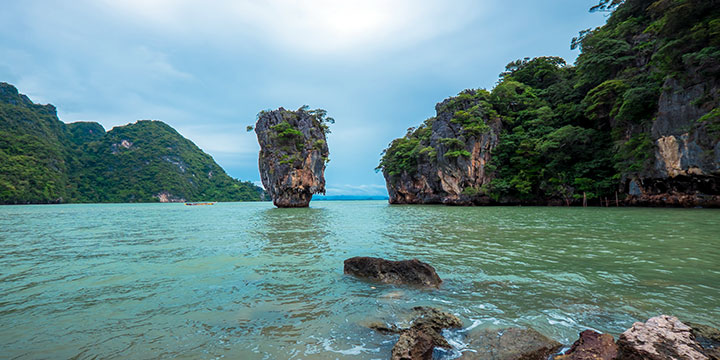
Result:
[{"x": 661, "y": 337}]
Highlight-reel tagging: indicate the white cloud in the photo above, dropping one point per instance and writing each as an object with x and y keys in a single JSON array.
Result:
[{"x": 312, "y": 26}]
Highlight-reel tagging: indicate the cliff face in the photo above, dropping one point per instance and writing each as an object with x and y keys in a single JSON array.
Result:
[
  {"x": 636, "y": 119},
  {"x": 452, "y": 150},
  {"x": 43, "y": 160},
  {"x": 293, "y": 154},
  {"x": 685, "y": 165}
]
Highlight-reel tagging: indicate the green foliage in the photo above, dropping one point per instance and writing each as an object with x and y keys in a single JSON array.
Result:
[
  {"x": 452, "y": 154},
  {"x": 711, "y": 121},
  {"x": 471, "y": 191},
  {"x": 286, "y": 131},
  {"x": 635, "y": 154},
  {"x": 43, "y": 160}
]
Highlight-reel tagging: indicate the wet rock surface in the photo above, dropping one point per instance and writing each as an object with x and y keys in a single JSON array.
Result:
[
  {"x": 591, "y": 346},
  {"x": 708, "y": 337},
  {"x": 293, "y": 154},
  {"x": 425, "y": 334},
  {"x": 660, "y": 338},
  {"x": 509, "y": 344},
  {"x": 404, "y": 272}
]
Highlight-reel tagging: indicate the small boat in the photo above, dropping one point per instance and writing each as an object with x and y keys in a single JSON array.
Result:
[{"x": 199, "y": 203}]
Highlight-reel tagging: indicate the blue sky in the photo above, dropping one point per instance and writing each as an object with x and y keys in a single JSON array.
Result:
[{"x": 208, "y": 67}]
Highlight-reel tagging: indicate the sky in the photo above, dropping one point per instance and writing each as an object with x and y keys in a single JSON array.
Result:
[{"x": 208, "y": 67}]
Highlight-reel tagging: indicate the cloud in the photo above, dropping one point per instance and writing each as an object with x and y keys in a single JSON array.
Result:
[{"x": 311, "y": 26}]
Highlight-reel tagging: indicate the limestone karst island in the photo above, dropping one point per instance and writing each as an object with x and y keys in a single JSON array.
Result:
[{"x": 425, "y": 180}]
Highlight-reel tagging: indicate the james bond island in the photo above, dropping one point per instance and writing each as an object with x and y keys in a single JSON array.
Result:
[{"x": 293, "y": 154}]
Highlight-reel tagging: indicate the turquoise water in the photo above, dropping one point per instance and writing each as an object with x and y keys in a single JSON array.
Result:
[{"x": 246, "y": 280}]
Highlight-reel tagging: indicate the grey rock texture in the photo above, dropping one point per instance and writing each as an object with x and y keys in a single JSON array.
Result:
[
  {"x": 686, "y": 160},
  {"x": 293, "y": 154},
  {"x": 660, "y": 338}
]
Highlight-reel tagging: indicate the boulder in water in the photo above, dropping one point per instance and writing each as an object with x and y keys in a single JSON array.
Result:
[
  {"x": 660, "y": 338},
  {"x": 425, "y": 334},
  {"x": 509, "y": 344},
  {"x": 408, "y": 272},
  {"x": 591, "y": 346}
]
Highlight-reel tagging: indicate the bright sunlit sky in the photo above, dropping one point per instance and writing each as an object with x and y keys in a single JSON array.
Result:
[{"x": 208, "y": 67}]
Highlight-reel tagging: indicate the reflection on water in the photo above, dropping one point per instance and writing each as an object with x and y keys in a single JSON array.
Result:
[{"x": 251, "y": 281}]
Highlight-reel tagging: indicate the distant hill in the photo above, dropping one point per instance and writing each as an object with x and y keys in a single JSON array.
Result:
[{"x": 43, "y": 160}]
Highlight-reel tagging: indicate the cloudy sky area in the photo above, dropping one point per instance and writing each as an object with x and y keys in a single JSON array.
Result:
[{"x": 208, "y": 67}]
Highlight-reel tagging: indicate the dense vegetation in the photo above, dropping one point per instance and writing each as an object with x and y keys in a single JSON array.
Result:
[
  {"x": 569, "y": 130},
  {"x": 43, "y": 160}
]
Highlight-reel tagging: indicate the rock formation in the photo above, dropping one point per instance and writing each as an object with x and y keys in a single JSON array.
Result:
[
  {"x": 424, "y": 334},
  {"x": 293, "y": 154},
  {"x": 454, "y": 149},
  {"x": 639, "y": 126},
  {"x": 685, "y": 167},
  {"x": 591, "y": 346},
  {"x": 509, "y": 344},
  {"x": 407, "y": 272},
  {"x": 660, "y": 338}
]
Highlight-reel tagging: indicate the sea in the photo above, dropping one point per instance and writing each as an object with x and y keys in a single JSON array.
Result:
[{"x": 251, "y": 281}]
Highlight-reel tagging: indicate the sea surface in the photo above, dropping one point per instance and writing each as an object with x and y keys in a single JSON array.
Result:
[{"x": 249, "y": 281}]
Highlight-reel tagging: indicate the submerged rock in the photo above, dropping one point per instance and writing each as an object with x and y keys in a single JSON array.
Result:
[
  {"x": 591, "y": 346},
  {"x": 660, "y": 338},
  {"x": 425, "y": 334},
  {"x": 409, "y": 272},
  {"x": 293, "y": 154},
  {"x": 709, "y": 339},
  {"x": 509, "y": 344}
]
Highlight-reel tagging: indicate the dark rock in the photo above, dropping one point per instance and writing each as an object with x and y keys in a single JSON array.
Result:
[
  {"x": 708, "y": 337},
  {"x": 293, "y": 154},
  {"x": 425, "y": 334},
  {"x": 591, "y": 346},
  {"x": 660, "y": 338},
  {"x": 509, "y": 344},
  {"x": 384, "y": 328},
  {"x": 410, "y": 272}
]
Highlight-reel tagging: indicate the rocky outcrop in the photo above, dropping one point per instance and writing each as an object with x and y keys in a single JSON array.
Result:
[
  {"x": 685, "y": 169},
  {"x": 406, "y": 272},
  {"x": 660, "y": 338},
  {"x": 591, "y": 346},
  {"x": 509, "y": 344},
  {"x": 456, "y": 146},
  {"x": 293, "y": 154},
  {"x": 418, "y": 341}
]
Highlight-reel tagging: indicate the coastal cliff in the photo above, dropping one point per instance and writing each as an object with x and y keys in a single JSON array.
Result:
[
  {"x": 293, "y": 154},
  {"x": 635, "y": 121},
  {"x": 444, "y": 160}
]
